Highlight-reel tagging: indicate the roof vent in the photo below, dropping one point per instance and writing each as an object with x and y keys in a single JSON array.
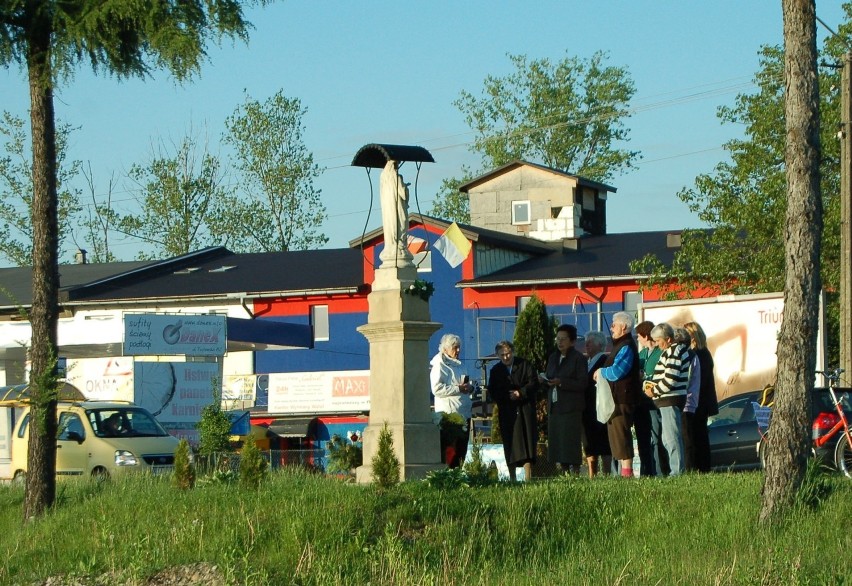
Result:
[
  {"x": 187, "y": 271},
  {"x": 222, "y": 269},
  {"x": 673, "y": 240},
  {"x": 80, "y": 256}
]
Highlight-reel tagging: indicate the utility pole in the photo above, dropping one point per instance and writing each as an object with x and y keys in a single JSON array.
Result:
[{"x": 846, "y": 217}]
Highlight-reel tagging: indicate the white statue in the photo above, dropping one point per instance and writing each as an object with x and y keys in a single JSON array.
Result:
[{"x": 393, "y": 194}]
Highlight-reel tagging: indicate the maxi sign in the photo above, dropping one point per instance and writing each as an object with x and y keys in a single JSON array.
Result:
[{"x": 193, "y": 335}]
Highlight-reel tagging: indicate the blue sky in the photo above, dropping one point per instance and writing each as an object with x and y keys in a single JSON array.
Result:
[{"x": 388, "y": 72}]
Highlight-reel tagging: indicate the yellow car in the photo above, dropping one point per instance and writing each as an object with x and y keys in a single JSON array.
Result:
[{"x": 101, "y": 438}]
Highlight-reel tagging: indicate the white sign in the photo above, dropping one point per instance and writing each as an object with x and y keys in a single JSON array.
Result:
[
  {"x": 175, "y": 393},
  {"x": 742, "y": 335},
  {"x": 102, "y": 379},
  {"x": 342, "y": 391},
  {"x": 193, "y": 335}
]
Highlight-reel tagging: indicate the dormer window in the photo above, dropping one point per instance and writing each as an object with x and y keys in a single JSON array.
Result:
[{"x": 521, "y": 212}]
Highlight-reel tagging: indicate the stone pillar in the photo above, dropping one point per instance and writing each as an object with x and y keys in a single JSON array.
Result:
[{"x": 398, "y": 330}]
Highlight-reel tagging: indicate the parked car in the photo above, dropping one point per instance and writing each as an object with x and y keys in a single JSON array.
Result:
[
  {"x": 100, "y": 438},
  {"x": 735, "y": 438}
]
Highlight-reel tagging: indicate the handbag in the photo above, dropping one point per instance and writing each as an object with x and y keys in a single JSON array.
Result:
[{"x": 604, "y": 404}]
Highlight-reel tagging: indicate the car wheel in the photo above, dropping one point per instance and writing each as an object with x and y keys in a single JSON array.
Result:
[
  {"x": 761, "y": 452},
  {"x": 843, "y": 456},
  {"x": 100, "y": 473}
]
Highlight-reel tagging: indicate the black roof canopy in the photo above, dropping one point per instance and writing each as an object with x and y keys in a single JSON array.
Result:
[{"x": 377, "y": 155}]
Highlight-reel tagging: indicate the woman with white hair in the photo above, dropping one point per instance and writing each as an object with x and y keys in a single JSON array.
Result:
[{"x": 451, "y": 388}]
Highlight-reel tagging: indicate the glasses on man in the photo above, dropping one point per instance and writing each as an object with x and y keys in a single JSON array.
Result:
[{"x": 562, "y": 338}]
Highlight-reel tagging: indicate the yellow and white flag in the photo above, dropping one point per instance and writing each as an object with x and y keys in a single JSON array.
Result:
[{"x": 453, "y": 245}]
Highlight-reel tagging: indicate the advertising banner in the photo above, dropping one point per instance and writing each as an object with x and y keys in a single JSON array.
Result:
[
  {"x": 175, "y": 393},
  {"x": 742, "y": 335},
  {"x": 102, "y": 379},
  {"x": 342, "y": 391},
  {"x": 192, "y": 335}
]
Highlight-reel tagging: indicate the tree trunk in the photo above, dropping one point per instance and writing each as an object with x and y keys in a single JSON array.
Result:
[
  {"x": 41, "y": 456},
  {"x": 789, "y": 444}
]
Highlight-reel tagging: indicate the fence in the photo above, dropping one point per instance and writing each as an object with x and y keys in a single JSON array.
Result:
[{"x": 313, "y": 459}]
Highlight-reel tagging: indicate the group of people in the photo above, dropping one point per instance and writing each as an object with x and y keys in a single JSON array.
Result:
[{"x": 661, "y": 385}]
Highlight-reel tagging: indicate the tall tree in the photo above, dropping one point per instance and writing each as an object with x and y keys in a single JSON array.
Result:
[
  {"x": 182, "y": 195},
  {"x": 49, "y": 38},
  {"x": 278, "y": 172},
  {"x": 16, "y": 189},
  {"x": 744, "y": 201},
  {"x": 788, "y": 446},
  {"x": 568, "y": 115},
  {"x": 98, "y": 221}
]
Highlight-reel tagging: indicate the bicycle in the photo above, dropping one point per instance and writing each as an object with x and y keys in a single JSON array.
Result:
[{"x": 843, "y": 449}]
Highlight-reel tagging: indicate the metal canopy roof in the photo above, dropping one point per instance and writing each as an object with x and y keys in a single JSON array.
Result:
[
  {"x": 377, "y": 155},
  {"x": 19, "y": 394}
]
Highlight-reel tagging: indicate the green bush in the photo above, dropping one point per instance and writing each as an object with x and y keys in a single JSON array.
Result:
[
  {"x": 253, "y": 467},
  {"x": 385, "y": 463},
  {"x": 343, "y": 455},
  {"x": 477, "y": 471},
  {"x": 183, "y": 477},
  {"x": 214, "y": 427}
]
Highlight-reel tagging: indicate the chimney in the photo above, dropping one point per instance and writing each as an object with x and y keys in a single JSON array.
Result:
[{"x": 80, "y": 257}]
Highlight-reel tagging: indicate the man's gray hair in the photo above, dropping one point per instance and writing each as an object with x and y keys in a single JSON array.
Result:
[
  {"x": 624, "y": 318},
  {"x": 448, "y": 341},
  {"x": 597, "y": 338}
]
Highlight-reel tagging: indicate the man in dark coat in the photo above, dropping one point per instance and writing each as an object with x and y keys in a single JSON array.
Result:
[{"x": 513, "y": 384}]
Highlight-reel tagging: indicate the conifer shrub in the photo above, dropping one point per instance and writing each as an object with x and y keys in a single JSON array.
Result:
[
  {"x": 183, "y": 477},
  {"x": 253, "y": 467},
  {"x": 385, "y": 463}
]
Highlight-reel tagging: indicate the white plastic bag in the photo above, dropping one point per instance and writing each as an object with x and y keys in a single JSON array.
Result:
[{"x": 604, "y": 405}]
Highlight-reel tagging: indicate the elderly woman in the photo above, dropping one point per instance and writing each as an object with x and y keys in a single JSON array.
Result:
[
  {"x": 566, "y": 377},
  {"x": 451, "y": 388},
  {"x": 668, "y": 390},
  {"x": 595, "y": 438},
  {"x": 512, "y": 384},
  {"x": 707, "y": 402}
]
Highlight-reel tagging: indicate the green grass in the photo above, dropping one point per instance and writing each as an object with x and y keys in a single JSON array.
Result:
[{"x": 302, "y": 528}]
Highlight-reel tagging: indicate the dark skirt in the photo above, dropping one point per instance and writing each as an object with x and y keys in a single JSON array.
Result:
[
  {"x": 519, "y": 431},
  {"x": 564, "y": 433}
]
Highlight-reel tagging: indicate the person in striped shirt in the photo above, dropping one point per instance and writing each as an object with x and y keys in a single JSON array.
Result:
[{"x": 668, "y": 390}]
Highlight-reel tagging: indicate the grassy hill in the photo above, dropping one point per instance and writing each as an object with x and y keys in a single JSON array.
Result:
[{"x": 303, "y": 528}]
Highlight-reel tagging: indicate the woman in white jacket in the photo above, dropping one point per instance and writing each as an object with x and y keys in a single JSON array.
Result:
[{"x": 451, "y": 387}]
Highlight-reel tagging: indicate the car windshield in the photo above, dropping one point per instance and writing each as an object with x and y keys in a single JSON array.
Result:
[{"x": 124, "y": 422}]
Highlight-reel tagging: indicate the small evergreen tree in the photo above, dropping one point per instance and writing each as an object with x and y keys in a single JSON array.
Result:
[
  {"x": 214, "y": 427},
  {"x": 253, "y": 466},
  {"x": 535, "y": 333},
  {"x": 476, "y": 470},
  {"x": 183, "y": 477},
  {"x": 385, "y": 463},
  {"x": 535, "y": 340}
]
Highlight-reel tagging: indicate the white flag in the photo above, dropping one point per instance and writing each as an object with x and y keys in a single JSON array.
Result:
[{"x": 453, "y": 245}]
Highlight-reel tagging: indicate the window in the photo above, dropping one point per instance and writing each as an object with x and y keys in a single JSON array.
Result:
[
  {"x": 521, "y": 212},
  {"x": 70, "y": 423},
  {"x": 319, "y": 321},
  {"x": 632, "y": 299},
  {"x": 521, "y": 303},
  {"x": 423, "y": 261}
]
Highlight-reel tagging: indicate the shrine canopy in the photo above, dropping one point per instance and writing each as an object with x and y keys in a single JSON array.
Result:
[{"x": 377, "y": 155}]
